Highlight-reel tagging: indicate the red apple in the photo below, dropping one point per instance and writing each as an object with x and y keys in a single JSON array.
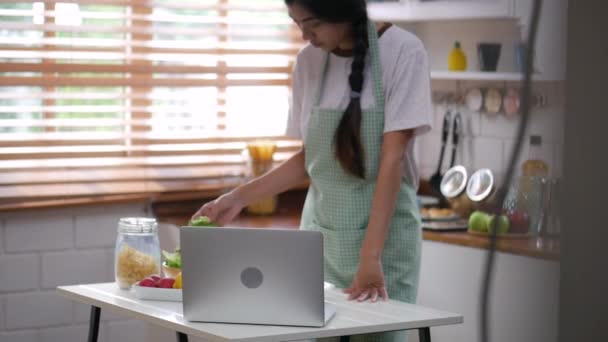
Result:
[
  {"x": 166, "y": 283},
  {"x": 154, "y": 277},
  {"x": 147, "y": 282},
  {"x": 520, "y": 222}
]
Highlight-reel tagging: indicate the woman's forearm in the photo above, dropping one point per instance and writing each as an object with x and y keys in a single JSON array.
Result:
[
  {"x": 285, "y": 176},
  {"x": 386, "y": 193}
]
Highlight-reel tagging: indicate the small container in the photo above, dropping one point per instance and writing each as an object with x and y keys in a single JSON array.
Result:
[
  {"x": 137, "y": 253},
  {"x": 488, "y": 55},
  {"x": 481, "y": 185},
  {"x": 452, "y": 188}
]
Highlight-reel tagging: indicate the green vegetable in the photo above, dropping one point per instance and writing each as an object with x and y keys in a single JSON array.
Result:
[
  {"x": 202, "y": 221},
  {"x": 173, "y": 259}
]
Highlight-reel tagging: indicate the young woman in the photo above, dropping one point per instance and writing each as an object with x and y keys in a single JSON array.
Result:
[{"x": 361, "y": 96}]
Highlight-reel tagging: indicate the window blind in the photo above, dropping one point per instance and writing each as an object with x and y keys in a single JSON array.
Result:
[{"x": 135, "y": 96}]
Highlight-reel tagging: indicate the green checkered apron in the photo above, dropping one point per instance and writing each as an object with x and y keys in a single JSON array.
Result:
[{"x": 338, "y": 204}]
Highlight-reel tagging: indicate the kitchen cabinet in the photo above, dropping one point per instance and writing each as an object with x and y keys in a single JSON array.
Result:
[
  {"x": 524, "y": 296},
  {"x": 440, "y": 23}
]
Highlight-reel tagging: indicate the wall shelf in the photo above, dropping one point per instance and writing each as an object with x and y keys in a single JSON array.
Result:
[
  {"x": 444, "y": 75},
  {"x": 440, "y": 10},
  {"x": 475, "y": 76}
]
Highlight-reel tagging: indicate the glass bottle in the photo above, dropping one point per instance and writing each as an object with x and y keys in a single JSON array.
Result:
[
  {"x": 457, "y": 61},
  {"x": 535, "y": 172},
  {"x": 535, "y": 166},
  {"x": 137, "y": 253}
]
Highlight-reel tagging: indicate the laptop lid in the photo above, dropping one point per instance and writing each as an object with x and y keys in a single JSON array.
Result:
[{"x": 253, "y": 276}]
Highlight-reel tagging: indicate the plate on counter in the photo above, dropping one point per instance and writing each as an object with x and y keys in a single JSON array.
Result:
[
  {"x": 156, "y": 293},
  {"x": 438, "y": 214},
  {"x": 457, "y": 225}
]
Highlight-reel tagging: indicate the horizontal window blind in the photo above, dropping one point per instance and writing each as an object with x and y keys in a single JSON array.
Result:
[{"x": 129, "y": 96}]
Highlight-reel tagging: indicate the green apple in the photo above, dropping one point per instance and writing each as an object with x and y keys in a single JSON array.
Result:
[
  {"x": 202, "y": 221},
  {"x": 503, "y": 224},
  {"x": 478, "y": 221}
]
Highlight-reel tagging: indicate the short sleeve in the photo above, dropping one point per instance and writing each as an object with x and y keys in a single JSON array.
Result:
[
  {"x": 408, "y": 94},
  {"x": 294, "y": 119}
]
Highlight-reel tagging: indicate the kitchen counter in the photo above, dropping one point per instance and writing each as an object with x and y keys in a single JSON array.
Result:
[{"x": 288, "y": 216}]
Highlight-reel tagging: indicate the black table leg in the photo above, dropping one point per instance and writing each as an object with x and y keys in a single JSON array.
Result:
[
  {"x": 344, "y": 338},
  {"x": 181, "y": 337},
  {"x": 424, "y": 334},
  {"x": 94, "y": 324}
]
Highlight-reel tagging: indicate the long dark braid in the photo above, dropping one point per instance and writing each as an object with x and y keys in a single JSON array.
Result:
[
  {"x": 347, "y": 139},
  {"x": 349, "y": 149}
]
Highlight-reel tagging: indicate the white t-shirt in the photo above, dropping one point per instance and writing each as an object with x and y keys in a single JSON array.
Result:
[{"x": 406, "y": 82}]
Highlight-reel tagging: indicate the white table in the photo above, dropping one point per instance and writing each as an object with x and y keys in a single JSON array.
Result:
[{"x": 351, "y": 318}]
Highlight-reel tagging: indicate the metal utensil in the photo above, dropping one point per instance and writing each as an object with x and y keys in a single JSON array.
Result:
[
  {"x": 435, "y": 180},
  {"x": 456, "y": 130}
]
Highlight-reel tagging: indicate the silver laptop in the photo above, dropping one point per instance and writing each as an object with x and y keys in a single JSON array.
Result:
[{"x": 253, "y": 276}]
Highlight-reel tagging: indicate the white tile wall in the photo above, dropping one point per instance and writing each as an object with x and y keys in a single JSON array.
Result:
[
  {"x": 74, "y": 267},
  {"x": 82, "y": 312},
  {"x": 57, "y": 247},
  {"x": 46, "y": 232},
  {"x": 19, "y": 272},
  {"x": 488, "y": 139},
  {"x": 37, "y": 309},
  {"x": 2, "y": 318},
  {"x": 2, "y": 236},
  {"x": 19, "y": 336},
  {"x": 128, "y": 330},
  {"x": 95, "y": 231},
  {"x": 71, "y": 333}
]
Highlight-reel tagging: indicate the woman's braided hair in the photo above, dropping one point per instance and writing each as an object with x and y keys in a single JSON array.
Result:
[{"x": 348, "y": 147}]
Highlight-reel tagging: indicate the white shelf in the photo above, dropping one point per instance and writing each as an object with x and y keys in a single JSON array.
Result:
[
  {"x": 440, "y": 10},
  {"x": 476, "y": 75},
  {"x": 483, "y": 76}
]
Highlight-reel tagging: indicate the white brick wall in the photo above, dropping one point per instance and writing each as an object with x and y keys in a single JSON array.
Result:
[
  {"x": 38, "y": 309},
  {"x": 2, "y": 313},
  {"x": 95, "y": 231},
  {"x": 129, "y": 330},
  {"x": 19, "y": 272},
  {"x": 19, "y": 336},
  {"x": 74, "y": 267},
  {"x": 59, "y": 247},
  {"x": 46, "y": 232},
  {"x": 71, "y": 333}
]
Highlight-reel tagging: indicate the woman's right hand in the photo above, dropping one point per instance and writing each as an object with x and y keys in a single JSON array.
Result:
[{"x": 223, "y": 209}]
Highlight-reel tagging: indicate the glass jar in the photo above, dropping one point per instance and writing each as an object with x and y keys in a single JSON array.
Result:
[
  {"x": 260, "y": 161},
  {"x": 137, "y": 253}
]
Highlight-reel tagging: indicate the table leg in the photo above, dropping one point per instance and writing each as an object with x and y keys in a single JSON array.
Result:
[
  {"x": 94, "y": 323},
  {"x": 424, "y": 334},
  {"x": 181, "y": 337}
]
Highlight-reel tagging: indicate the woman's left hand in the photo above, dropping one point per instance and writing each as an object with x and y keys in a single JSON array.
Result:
[{"x": 368, "y": 282}]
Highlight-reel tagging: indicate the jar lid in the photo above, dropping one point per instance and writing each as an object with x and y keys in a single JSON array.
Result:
[
  {"x": 137, "y": 225},
  {"x": 454, "y": 181},
  {"x": 480, "y": 185}
]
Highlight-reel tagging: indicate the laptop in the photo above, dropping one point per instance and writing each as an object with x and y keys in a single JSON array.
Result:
[{"x": 253, "y": 276}]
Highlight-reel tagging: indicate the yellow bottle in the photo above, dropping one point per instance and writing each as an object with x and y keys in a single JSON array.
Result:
[{"x": 457, "y": 61}]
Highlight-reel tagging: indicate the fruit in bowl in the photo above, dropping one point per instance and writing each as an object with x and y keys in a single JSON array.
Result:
[
  {"x": 156, "y": 281},
  {"x": 172, "y": 263}
]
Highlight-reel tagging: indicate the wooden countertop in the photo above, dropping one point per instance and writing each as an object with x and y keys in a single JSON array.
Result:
[{"x": 289, "y": 217}]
